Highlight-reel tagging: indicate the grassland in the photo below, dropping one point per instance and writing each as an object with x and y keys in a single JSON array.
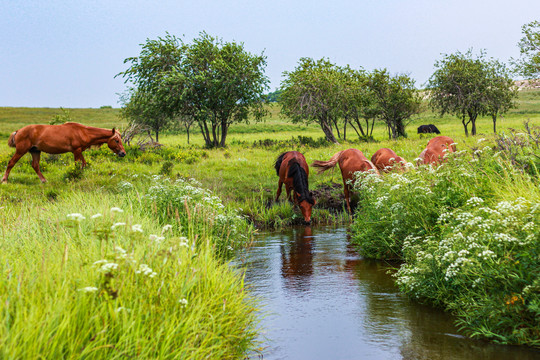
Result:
[{"x": 49, "y": 259}]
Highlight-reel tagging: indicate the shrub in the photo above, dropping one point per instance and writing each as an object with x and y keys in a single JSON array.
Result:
[
  {"x": 485, "y": 267},
  {"x": 74, "y": 171}
]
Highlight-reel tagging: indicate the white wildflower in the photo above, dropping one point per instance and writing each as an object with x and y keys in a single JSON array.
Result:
[
  {"x": 76, "y": 216},
  {"x": 108, "y": 268},
  {"x": 137, "y": 228},
  {"x": 166, "y": 228},
  {"x": 117, "y": 225},
  {"x": 95, "y": 216},
  {"x": 88, "y": 289},
  {"x": 156, "y": 238},
  {"x": 116, "y": 209},
  {"x": 183, "y": 302}
]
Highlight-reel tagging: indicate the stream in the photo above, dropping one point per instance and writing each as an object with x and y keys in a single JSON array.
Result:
[{"x": 320, "y": 300}]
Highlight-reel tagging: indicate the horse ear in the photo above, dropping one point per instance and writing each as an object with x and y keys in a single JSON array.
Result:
[{"x": 113, "y": 131}]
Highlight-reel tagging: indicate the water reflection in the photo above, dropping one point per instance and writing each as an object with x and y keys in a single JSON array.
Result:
[
  {"x": 297, "y": 260},
  {"x": 323, "y": 301}
]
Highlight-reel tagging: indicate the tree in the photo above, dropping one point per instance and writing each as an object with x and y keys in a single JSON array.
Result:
[
  {"x": 457, "y": 87},
  {"x": 501, "y": 92},
  {"x": 395, "y": 100},
  {"x": 528, "y": 65},
  {"x": 470, "y": 86},
  {"x": 221, "y": 84},
  {"x": 146, "y": 102},
  {"x": 310, "y": 94},
  {"x": 212, "y": 82}
]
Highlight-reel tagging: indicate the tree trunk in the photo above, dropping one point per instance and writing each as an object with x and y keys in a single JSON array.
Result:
[
  {"x": 187, "y": 130},
  {"x": 345, "y": 129},
  {"x": 494, "y": 117},
  {"x": 327, "y": 129},
  {"x": 224, "y": 129},
  {"x": 465, "y": 125}
]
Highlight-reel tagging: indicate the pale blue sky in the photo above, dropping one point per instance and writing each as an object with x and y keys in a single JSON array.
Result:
[{"x": 66, "y": 53}]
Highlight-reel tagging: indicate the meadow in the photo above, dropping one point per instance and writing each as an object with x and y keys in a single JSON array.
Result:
[{"x": 95, "y": 260}]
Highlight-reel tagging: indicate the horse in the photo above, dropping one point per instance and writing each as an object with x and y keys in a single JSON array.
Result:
[
  {"x": 293, "y": 171},
  {"x": 59, "y": 139},
  {"x": 436, "y": 150},
  {"x": 350, "y": 161},
  {"x": 385, "y": 159},
  {"x": 428, "y": 129}
]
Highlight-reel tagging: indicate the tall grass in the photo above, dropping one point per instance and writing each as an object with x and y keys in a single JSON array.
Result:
[{"x": 97, "y": 276}]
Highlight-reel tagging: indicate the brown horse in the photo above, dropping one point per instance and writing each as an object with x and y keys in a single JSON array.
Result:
[
  {"x": 59, "y": 139},
  {"x": 385, "y": 159},
  {"x": 350, "y": 161},
  {"x": 293, "y": 171},
  {"x": 436, "y": 150}
]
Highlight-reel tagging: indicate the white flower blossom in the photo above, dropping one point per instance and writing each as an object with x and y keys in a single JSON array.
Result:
[
  {"x": 116, "y": 209},
  {"x": 117, "y": 225},
  {"x": 88, "y": 289},
  {"x": 76, "y": 216}
]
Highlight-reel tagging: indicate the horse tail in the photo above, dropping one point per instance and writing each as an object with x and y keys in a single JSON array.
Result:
[
  {"x": 278, "y": 162},
  {"x": 325, "y": 165},
  {"x": 11, "y": 140}
]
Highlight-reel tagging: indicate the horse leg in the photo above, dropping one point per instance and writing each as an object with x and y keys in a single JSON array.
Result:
[
  {"x": 77, "y": 153},
  {"x": 347, "y": 196},
  {"x": 12, "y": 163},
  {"x": 280, "y": 185},
  {"x": 35, "y": 165}
]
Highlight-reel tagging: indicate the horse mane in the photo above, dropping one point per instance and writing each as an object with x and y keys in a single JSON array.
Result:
[
  {"x": 300, "y": 181},
  {"x": 278, "y": 162}
]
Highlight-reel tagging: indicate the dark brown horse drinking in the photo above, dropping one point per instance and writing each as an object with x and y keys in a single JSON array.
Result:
[
  {"x": 350, "y": 161},
  {"x": 59, "y": 139},
  {"x": 293, "y": 171}
]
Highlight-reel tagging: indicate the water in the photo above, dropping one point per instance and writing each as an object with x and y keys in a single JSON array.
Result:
[{"x": 320, "y": 300}]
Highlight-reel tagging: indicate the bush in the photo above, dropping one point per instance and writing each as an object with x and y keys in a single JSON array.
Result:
[
  {"x": 197, "y": 211},
  {"x": 485, "y": 267},
  {"x": 469, "y": 238}
]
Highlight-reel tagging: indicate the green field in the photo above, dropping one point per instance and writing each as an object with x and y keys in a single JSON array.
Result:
[{"x": 49, "y": 259}]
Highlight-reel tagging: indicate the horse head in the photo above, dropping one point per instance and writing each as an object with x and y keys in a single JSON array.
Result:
[
  {"x": 115, "y": 143},
  {"x": 305, "y": 203}
]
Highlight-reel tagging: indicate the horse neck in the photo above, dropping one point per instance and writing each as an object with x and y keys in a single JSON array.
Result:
[
  {"x": 97, "y": 135},
  {"x": 300, "y": 181}
]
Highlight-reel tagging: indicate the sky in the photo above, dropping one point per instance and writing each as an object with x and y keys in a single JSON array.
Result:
[{"x": 66, "y": 53}]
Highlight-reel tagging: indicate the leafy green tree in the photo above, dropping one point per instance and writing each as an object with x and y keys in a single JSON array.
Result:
[
  {"x": 500, "y": 93},
  {"x": 469, "y": 86},
  {"x": 395, "y": 100},
  {"x": 147, "y": 102},
  {"x": 310, "y": 94},
  {"x": 219, "y": 83},
  {"x": 212, "y": 82},
  {"x": 528, "y": 65},
  {"x": 457, "y": 87}
]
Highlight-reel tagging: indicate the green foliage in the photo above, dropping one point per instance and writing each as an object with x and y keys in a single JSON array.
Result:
[
  {"x": 61, "y": 118},
  {"x": 395, "y": 100},
  {"x": 528, "y": 65},
  {"x": 468, "y": 87},
  {"x": 74, "y": 171},
  {"x": 166, "y": 168},
  {"x": 468, "y": 236},
  {"x": 213, "y": 82},
  {"x": 196, "y": 211}
]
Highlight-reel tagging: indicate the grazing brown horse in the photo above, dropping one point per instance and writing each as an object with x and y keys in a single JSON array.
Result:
[
  {"x": 385, "y": 159},
  {"x": 350, "y": 161},
  {"x": 436, "y": 150},
  {"x": 293, "y": 171},
  {"x": 59, "y": 139}
]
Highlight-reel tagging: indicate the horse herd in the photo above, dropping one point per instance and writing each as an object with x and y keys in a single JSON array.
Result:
[
  {"x": 291, "y": 166},
  {"x": 293, "y": 171}
]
